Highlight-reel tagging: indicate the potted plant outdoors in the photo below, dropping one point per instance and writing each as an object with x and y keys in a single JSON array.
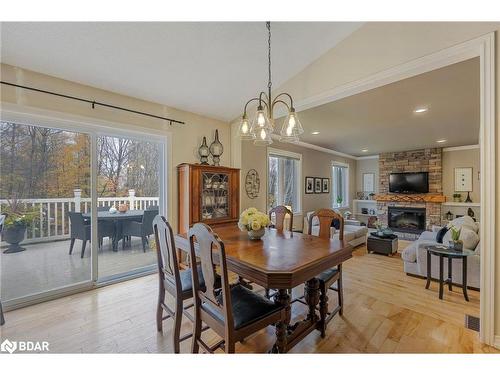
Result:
[
  {"x": 455, "y": 243},
  {"x": 254, "y": 222},
  {"x": 15, "y": 225}
]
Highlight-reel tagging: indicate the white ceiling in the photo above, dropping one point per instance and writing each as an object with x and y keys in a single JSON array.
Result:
[
  {"x": 382, "y": 119},
  {"x": 206, "y": 68}
]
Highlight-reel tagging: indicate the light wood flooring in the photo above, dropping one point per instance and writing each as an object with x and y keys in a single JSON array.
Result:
[{"x": 385, "y": 311}]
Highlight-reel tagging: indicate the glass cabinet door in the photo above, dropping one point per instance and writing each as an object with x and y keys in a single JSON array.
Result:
[{"x": 215, "y": 196}]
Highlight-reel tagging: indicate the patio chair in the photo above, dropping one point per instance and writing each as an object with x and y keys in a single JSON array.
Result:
[
  {"x": 153, "y": 208},
  {"x": 141, "y": 229},
  {"x": 80, "y": 230}
]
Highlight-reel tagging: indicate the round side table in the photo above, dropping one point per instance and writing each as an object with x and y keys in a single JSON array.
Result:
[{"x": 445, "y": 252}]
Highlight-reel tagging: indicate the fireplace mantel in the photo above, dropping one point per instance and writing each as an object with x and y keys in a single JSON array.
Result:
[{"x": 417, "y": 198}]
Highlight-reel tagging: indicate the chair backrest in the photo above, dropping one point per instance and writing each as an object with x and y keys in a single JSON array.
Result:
[
  {"x": 77, "y": 224},
  {"x": 168, "y": 265},
  {"x": 325, "y": 217},
  {"x": 147, "y": 221},
  {"x": 153, "y": 208},
  {"x": 280, "y": 213},
  {"x": 211, "y": 253}
]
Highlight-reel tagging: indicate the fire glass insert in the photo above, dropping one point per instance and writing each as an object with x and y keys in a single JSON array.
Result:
[{"x": 406, "y": 219}]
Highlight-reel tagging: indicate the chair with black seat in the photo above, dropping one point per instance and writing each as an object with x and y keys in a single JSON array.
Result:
[
  {"x": 141, "y": 229},
  {"x": 232, "y": 312},
  {"x": 173, "y": 281},
  {"x": 327, "y": 218}
]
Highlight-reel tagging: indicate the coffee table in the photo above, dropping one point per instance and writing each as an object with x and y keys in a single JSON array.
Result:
[
  {"x": 382, "y": 245},
  {"x": 445, "y": 252}
]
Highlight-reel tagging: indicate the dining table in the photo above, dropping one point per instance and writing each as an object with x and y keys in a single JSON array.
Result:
[
  {"x": 281, "y": 260},
  {"x": 117, "y": 219}
]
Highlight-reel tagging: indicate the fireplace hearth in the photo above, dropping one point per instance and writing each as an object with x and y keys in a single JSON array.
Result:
[{"x": 406, "y": 219}]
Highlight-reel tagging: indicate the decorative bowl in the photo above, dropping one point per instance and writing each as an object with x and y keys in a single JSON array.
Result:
[{"x": 256, "y": 234}]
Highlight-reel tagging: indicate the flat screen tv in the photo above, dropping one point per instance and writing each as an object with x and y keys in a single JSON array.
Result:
[{"x": 409, "y": 183}]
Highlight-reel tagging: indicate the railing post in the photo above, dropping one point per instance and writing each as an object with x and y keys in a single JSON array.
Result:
[
  {"x": 131, "y": 198},
  {"x": 78, "y": 198}
]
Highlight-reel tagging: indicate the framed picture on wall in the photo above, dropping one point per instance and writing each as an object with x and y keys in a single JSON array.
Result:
[
  {"x": 317, "y": 185},
  {"x": 309, "y": 185},
  {"x": 368, "y": 182},
  {"x": 463, "y": 179},
  {"x": 325, "y": 188}
]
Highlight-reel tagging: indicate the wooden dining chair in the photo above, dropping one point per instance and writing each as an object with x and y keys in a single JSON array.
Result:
[
  {"x": 326, "y": 218},
  {"x": 280, "y": 213},
  {"x": 173, "y": 281},
  {"x": 232, "y": 312}
]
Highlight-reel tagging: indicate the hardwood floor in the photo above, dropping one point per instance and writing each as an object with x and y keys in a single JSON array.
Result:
[{"x": 385, "y": 311}]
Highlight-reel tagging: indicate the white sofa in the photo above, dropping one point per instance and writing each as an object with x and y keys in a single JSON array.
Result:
[
  {"x": 415, "y": 256},
  {"x": 354, "y": 233}
]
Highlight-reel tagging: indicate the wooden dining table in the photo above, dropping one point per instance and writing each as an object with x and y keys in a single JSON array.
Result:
[{"x": 281, "y": 260}]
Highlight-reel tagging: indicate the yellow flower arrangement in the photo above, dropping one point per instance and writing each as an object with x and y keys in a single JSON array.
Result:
[{"x": 252, "y": 219}]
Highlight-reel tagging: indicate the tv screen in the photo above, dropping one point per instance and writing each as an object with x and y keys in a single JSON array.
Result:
[{"x": 409, "y": 183}]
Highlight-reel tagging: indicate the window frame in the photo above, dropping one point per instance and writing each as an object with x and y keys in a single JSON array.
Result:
[
  {"x": 288, "y": 154},
  {"x": 346, "y": 200}
]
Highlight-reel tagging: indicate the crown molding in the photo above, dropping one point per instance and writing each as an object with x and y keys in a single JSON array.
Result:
[
  {"x": 460, "y": 148},
  {"x": 318, "y": 148}
]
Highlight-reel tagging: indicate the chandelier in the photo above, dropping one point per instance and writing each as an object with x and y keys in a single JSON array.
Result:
[{"x": 262, "y": 126}]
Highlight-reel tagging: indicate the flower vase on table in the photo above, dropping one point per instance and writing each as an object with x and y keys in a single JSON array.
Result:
[{"x": 254, "y": 223}]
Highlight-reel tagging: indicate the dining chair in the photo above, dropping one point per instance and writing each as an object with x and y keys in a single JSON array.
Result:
[
  {"x": 326, "y": 218},
  {"x": 280, "y": 213},
  {"x": 141, "y": 229},
  {"x": 233, "y": 312},
  {"x": 173, "y": 281}
]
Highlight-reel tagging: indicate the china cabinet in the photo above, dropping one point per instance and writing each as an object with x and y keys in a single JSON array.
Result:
[{"x": 208, "y": 194}]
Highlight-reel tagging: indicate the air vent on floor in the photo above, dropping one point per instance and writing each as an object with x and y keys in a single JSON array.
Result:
[{"x": 472, "y": 322}]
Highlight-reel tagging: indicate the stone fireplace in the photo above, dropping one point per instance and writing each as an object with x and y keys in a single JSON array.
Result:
[{"x": 428, "y": 205}]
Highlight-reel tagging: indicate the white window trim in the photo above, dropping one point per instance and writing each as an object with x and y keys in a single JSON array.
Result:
[
  {"x": 345, "y": 165},
  {"x": 289, "y": 154}
]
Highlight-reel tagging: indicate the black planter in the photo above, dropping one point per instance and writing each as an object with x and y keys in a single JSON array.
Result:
[{"x": 13, "y": 236}]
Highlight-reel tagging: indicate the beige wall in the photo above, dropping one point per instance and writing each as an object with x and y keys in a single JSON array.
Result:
[
  {"x": 185, "y": 139},
  {"x": 457, "y": 159},
  {"x": 366, "y": 166},
  {"x": 314, "y": 164}
]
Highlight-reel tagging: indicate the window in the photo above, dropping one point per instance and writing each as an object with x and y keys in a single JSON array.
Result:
[
  {"x": 340, "y": 178},
  {"x": 284, "y": 179}
]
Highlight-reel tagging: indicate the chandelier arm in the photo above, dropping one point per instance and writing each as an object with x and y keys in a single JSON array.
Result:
[
  {"x": 247, "y": 103},
  {"x": 289, "y": 97},
  {"x": 280, "y": 101}
]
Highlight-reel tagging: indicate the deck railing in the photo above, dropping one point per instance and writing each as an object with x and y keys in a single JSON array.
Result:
[{"x": 52, "y": 213}]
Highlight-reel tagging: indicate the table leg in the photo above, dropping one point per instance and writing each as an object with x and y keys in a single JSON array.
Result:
[
  {"x": 311, "y": 295},
  {"x": 283, "y": 298},
  {"x": 441, "y": 276},
  {"x": 428, "y": 270},
  {"x": 449, "y": 274},
  {"x": 464, "y": 278}
]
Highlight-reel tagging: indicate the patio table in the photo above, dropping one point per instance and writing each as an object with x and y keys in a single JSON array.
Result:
[{"x": 117, "y": 218}]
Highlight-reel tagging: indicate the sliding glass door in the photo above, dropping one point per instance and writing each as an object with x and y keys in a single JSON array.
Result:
[
  {"x": 45, "y": 193},
  {"x": 129, "y": 183},
  {"x": 76, "y": 205}
]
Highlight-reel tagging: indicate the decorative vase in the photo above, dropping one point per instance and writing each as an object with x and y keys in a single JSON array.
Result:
[
  {"x": 123, "y": 208},
  {"x": 216, "y": 149},
  {"x": 456, "y": 245},
  {"x": 204, "y": 152},
  {"x": 256, "y": 234},
  {"x": 13, "y": 236}
]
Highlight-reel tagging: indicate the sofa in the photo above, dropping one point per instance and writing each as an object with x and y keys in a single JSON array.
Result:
[
  {"x": 354, "y": 233},
  {"x": 415, "y": 256}
]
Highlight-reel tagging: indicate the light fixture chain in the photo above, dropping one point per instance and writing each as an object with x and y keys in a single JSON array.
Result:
[{"x": 268, "y": 24}]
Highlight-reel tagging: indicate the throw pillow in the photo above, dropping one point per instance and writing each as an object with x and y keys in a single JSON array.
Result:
[{"x": 440, "y": 234}]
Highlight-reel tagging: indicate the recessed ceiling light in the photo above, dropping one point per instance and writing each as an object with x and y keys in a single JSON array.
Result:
[
  {"x": 441, "y": 141},
  {"x": 364, "y": 150},
  {"x": 421, "y": 110},
  {"x": 315, "y": 133}
]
